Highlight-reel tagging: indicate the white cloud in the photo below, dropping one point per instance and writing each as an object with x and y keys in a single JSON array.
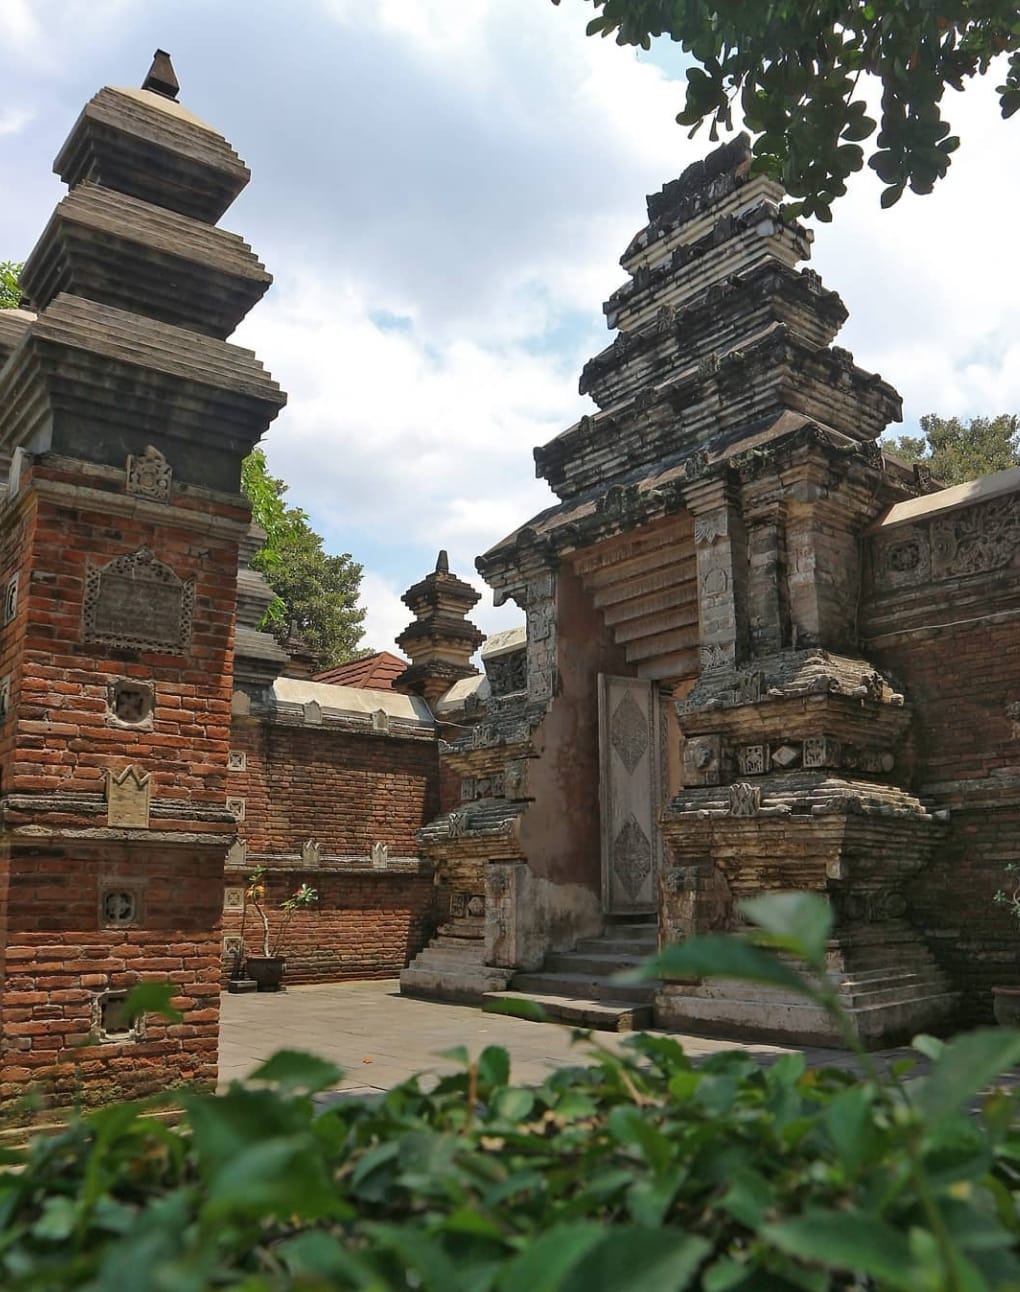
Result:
[
  {"x": 443, "y": 190},
  {"x": 14, "y": 120}
]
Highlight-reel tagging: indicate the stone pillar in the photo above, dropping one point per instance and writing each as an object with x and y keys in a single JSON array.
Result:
[
  {"x": 768, "y": 610},
  {"x": 441, "y": 640},
  {"x": 721, "y": 553}
]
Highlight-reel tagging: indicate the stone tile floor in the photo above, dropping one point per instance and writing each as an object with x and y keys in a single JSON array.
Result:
[{"x": 380, "y": 1037}]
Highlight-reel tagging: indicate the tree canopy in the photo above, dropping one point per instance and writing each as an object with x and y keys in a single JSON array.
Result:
[
  {"x": 958, "y": 451},
  {"x": 798, "y": 73},
  {"x": 10, "y": 292},
  {"x": 317, "y": 594}
]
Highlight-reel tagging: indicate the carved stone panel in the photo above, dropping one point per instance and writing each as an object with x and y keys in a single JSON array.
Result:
[
  {"x": 127, "y": 798},
  {"x": 745, "y": 799},
  {"x": 138, "y": 603},
  {"x": 630, "y": 793}
]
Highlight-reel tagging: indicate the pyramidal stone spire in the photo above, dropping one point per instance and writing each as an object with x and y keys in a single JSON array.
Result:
[
  {"x": 718, "y": 334},
  {"x": 131, "y": 274},
  {"x": 442, "y": 639},
  {"x": 162, "y": 79}
]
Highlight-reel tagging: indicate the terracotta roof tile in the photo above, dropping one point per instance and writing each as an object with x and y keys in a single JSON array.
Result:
[{"x": 375, "y": 672}]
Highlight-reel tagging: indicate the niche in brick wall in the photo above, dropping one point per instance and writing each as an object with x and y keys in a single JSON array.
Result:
[
  {"x": 110, "y": 1021},
  {"x": 131, "y": 703},
  {"x": 120, "y": 905}
]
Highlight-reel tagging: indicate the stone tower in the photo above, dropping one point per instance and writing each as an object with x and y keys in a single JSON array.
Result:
[
  {"x": 126, "y": 413},
  {"x": 701, "y": 715}
]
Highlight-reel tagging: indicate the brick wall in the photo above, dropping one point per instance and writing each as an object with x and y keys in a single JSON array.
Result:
[
  {"x": 959, "y": 682},
  {"x": 60, "y": 962},
  {"x": 367, "y": 924},
  {"x": 345, "y": 789},
  {"x": 943, "y": 617},
  {"x": 63, "y": 737}
]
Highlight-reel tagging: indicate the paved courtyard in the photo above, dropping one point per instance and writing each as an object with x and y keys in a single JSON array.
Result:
[{"x": 380, "y": 1037}]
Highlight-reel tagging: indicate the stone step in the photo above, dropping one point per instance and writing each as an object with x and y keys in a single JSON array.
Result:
[
  {"x": 598, "y": 1014},
  {"x": 447, "y": 984},
  {"x": 584, "y": 986},
  {"x": 639, "y": 947},
  {"x": 454, "y": 943},
  {"x": 450, "y": 956},
  {"x": 600, "y": 964},
  {"x": 894, "y": 993}
]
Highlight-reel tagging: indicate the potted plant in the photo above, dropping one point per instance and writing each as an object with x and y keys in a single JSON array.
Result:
[
  {"x": 1006, "y": 1000},
  {"x": 267, "y": 969}
]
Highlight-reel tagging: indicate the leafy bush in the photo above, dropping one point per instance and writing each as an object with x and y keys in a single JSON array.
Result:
[{"x": 643, "y": 1172}]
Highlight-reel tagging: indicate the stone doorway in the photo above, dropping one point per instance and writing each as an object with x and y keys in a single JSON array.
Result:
[{"x": 629, "y": 794}]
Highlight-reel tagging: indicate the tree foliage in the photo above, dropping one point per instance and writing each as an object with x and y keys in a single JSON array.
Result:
[
  {"x": 10, "y": 292},
  {"x": 641, "y": 1171},
  {"x": 317, "y": 594},
  {"x": 798, "y": 73},
  {"x": 957, "y": 451}
]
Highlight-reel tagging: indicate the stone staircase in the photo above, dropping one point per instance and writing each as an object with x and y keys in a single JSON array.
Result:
[
  {"x": 575, "y": 986},
  {"x": 452, "y": 966}
]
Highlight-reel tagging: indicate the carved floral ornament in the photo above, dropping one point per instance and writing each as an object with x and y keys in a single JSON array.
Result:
[
  {"x": 973, "y": 540},
  {"x": 149, "y": 475}
]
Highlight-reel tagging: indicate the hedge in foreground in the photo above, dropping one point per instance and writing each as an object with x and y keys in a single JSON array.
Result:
[{"x": 642, "y": 1173}]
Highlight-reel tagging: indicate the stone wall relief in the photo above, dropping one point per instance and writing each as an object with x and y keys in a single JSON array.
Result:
[
  {"x": 972, "y": 540},
  {"x": 137, "y": 603}
]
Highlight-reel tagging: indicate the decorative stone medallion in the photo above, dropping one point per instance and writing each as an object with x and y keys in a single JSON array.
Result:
[
  {"x": 149, "y": 475},
  {"x": 631, "y": 856},
  {"x": 628, "y": 732}
]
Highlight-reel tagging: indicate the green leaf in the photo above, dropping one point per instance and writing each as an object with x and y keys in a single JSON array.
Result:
[
  {"x": 57, "y": 1221},
  {"x": 716, "y": 955},
  {"x": 640, "y": 1260},
  {"x": 544, "y": 1263},
  {"x": 294, "y": 1071},
  {"x": 845, "y": 1240},
  {"x": 278, "y": 1177},
  {"x": 964, "y": 1068},
  {"x": 848, "y": 1119},
  {"x": 800, "y": 923},
  {"x": 528, "y": 1009},
  {"x": 513, "y": 1104},
  {"x": 152, "y": 998},
  {"x": 494, "y": 1066}
]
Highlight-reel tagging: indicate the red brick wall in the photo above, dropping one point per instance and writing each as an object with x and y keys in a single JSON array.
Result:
[
  {"x": 59, "y": 959},
  {"x": 959, "y": 681},
  {"x": 57, "y": 742},
  {"x": 346, "y": 790},
  {"x": 365, "y": 925},
  {"x": 62, "y": 739}
]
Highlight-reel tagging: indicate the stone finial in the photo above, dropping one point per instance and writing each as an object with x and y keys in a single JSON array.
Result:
[
  {"x": 441, "y": 641},
  {"x": 161, "y": 78}
]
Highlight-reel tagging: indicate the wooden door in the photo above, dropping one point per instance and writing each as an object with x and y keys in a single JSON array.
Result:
[{"x": 629, "y": 793}]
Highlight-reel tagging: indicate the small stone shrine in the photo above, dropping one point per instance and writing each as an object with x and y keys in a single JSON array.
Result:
[
  {"x": 124, "y": 415},
  {"x": 705, "y": 704}
]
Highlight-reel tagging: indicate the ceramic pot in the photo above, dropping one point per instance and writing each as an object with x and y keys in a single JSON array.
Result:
[
  {"x": 267, "y": 971},
  {"x": 1006, "y": 1003}
]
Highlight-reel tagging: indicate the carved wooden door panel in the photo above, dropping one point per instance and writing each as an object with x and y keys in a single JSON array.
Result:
[{"x": 629, "y": 793}]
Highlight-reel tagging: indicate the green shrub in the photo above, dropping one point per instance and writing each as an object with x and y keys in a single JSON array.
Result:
[{"x": 644, "y": 1173}]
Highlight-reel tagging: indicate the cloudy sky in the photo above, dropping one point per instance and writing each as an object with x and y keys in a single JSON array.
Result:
[{"x": 442, "y": 189}]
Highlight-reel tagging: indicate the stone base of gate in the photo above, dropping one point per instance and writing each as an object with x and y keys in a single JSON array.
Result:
[{"x": 886, "y": 1006}]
